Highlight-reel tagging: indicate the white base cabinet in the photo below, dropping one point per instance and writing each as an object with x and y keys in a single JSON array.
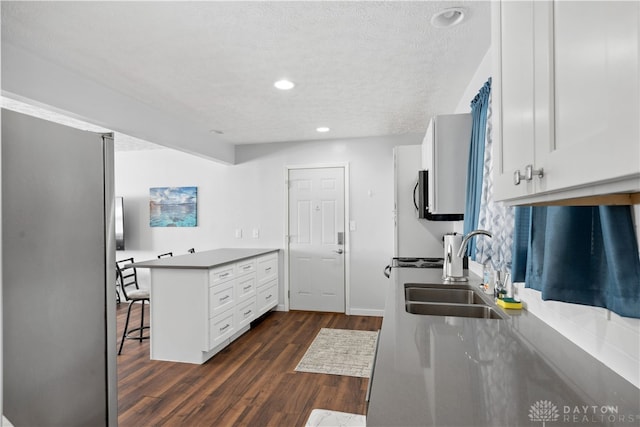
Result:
[{"x": 195, "y": 313}]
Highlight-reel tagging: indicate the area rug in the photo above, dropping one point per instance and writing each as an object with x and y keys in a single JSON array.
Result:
[{"x": 340, "y": 352}]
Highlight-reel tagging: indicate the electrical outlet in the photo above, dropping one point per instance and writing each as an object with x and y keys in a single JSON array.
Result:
[
  {"x": 238, "y": 233},
  {"x": 256, "y": 233}
]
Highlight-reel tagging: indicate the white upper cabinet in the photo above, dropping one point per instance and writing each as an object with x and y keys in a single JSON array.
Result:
[{"x": 566, "y": 99}]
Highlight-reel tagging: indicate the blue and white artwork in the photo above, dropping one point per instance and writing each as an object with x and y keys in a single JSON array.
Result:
[{"x": 173, "y": 206}]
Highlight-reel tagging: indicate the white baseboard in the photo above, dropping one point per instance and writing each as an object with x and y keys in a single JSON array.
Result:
[
  {"x": 353, "y": 312},
  {"x": 366, "y": 312}
]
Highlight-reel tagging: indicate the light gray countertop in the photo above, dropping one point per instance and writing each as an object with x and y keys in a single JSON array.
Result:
[
  {"x": 205, "y": 259},
  {"x": 451, "y": 371}
]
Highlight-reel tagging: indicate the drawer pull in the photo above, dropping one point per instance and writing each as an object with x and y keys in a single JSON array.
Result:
[
  {"x": 226, "y": 297},
  {"x": 247, "y": 313},
  {"x": 247, "y": 267},
  {"x": 269, "y": 296},
  {"x": 246, "y": 287},
  {"x": 225, "y": 327},
  {"x": 223, "y": 275},
  {"x": 268, "y": 269}
]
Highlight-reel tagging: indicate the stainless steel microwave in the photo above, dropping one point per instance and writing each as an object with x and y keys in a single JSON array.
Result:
[{"x": 421, "y": 201}]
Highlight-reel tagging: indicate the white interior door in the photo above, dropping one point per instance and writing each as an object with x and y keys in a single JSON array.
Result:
[{"x": 316, "y": 239}]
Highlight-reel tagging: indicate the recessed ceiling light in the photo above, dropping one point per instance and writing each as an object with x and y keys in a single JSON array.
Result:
[
  {"x": 448, "y": 17},
  {"x": 284, "y": 84},
  {"x": 322, "y": 129}
]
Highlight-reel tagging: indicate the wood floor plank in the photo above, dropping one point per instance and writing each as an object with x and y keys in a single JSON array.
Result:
[{"x": 250, "y": 383}]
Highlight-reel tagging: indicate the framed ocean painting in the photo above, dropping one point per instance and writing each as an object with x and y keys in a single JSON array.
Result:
[{"x": 173, "y": 206}]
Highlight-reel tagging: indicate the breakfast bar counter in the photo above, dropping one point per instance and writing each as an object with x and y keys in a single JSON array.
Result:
[
  {"x": 205, "y": 259},
  {"x": 203, "y": 301}
]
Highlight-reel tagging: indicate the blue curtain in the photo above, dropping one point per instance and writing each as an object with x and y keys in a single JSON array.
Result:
[
  {"x": 475, "y": 167},
  {"x": 585, "y": 255}
]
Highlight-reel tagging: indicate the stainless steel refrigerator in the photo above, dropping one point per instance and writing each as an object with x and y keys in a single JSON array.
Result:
[{"x": 58, "y": 284}]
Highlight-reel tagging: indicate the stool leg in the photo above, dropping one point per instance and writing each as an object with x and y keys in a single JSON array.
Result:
[
  {"x": 126, "y": 326},
  {"x": 141, "y": 319}
]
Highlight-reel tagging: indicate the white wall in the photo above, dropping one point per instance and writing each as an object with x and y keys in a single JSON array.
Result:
[
  {"x": 612, "y": 339},
  {"x": 251, "y": 194}
]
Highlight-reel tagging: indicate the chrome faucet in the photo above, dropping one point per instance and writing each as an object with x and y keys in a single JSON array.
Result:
[
  {"x": 454, "y": 248},
  {"x": 465, "y": 241}
]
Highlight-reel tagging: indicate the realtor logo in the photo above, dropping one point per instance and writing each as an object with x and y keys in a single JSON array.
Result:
[{"x": 543, "y": 410}]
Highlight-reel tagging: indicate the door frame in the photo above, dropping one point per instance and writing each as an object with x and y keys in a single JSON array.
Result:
[{"x": 347, "y": 239}]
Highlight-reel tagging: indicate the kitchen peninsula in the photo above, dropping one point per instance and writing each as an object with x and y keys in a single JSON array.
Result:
[{"x": 203, "y": 301}]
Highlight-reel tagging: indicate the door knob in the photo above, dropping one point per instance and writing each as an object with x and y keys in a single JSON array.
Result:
[{"x": 339, "y": 251}]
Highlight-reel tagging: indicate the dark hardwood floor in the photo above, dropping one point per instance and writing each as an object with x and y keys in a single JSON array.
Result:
[{"x": 250, "y": 383}]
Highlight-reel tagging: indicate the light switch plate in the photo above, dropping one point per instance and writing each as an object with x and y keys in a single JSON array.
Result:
[
  {"x": 256, "y": 233},
  {"x": 238, "y": 233},
  {"x": 352, "y": 226}
]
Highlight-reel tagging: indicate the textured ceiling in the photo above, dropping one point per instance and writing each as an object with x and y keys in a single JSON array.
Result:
[{"x": 360, "y": 68}]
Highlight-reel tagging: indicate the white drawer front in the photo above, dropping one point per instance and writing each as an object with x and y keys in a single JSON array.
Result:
[
  {"x": 245, "y": 313},
  {"x": 246, "y": 287},
  {"x": 246, "y": 266},
  {"x": 267, "y": 267},
  {"x": 267, "y": 296},
  {"x": 221, "y": 298},
  {"x": 222, "y": 274},
  {"x": 221, "y": 327}
]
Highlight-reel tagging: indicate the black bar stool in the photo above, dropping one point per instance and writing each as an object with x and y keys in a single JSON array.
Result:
[{"x": 128, "y": 278}]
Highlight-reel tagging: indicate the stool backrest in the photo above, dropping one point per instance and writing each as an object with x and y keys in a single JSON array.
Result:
[
  {"x": 126, "y": 275},
  {"x": 165, "y": 255}
]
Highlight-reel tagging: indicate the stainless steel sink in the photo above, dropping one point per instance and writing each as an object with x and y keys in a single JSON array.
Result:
[
  {"x": 456, "y": 310},
  {"x": 457, "y": 300},
  {"x": 456, "y": 296},
  {"x": 446, "y": 286}
]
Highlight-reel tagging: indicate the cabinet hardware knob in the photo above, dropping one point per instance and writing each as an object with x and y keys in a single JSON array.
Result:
[
  {"x": 530, "y": 172},
  {"x": 517, "y": 177}
]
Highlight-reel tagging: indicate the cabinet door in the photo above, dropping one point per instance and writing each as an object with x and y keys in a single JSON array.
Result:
[
  {"x": 246, "y": 267},
  {"x": 267, "y": 268},
  {"x": 246, "y": 287},
  {"x": 222, "y": 274},
  {"x": 221, "y": 328},
  {"x": 592, "y": 61},
  {"x": 221, "y": 297},
  {"x": 512, "y": 96},
  {"x": 267, "y": 297},
  {"x": 245, "y": 313}
]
